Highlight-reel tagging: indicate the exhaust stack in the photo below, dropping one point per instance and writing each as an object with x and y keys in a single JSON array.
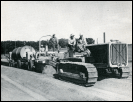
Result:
[{"x": 104, "y": 37}]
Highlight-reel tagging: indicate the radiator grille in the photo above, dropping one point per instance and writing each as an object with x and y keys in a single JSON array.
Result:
[{"x": 118, "y": 54}]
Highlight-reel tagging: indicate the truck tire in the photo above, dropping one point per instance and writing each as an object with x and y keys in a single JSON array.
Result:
[
  {"x": 30, "y": 65},
  {"x": 18, "y": 64},
  {"x": 35, "y": 67},
  {"x": 12, "y": 63},
  {"x": 9, "y": 64}
]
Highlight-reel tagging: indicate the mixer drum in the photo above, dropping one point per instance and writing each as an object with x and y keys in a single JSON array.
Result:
[{"x": 20, "y": 52}]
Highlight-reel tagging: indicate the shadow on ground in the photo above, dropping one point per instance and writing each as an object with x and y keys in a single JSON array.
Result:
[
  {"x": 7, "y": 64},
  {"x": 101, "y": 77},
  {"x": 4, "y": 63}
]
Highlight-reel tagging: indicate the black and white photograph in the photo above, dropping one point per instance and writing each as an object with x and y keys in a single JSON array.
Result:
[{"x": 66, "y": 50}]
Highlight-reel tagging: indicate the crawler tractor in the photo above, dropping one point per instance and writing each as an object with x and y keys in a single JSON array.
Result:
[{"x": 105, "y": 59}]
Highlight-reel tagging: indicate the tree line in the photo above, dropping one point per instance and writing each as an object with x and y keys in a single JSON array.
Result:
[{"x": 7, "y": 46}]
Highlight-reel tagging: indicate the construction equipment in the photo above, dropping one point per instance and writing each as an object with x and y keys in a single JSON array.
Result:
[
  {"x": 22, "y": 56},
  {"x": 79, "y": 72},
  {"x": 84, "y": 68},
  {"x": 109, "y": 58},
  {"x": 105, "y": 59},
  {"x": 42, "y": 59}
]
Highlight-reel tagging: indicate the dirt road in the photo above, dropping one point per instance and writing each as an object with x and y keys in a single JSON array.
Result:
[{"x": 20, "y": 84}]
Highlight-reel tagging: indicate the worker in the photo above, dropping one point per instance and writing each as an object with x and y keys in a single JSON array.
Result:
[
  {"x": 71, "y": 45},
  {"x": 42, "y": 49},
  {"x": 81, "y": 44},
  {"x": 54, "y": 42}
]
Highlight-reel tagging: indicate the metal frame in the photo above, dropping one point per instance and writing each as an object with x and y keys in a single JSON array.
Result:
[
  {"x": 110, "y": 65},
  {"x": 109, "y": 56},
  {"x": 40, "y": 42}
]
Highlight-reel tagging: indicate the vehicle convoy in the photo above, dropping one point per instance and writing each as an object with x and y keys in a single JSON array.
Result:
[
  {"x": 21, "y": 56},
  {"x": 107, "y": 58}
]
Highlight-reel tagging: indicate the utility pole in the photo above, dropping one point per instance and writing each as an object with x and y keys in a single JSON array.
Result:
[
  {"x": 97, "y": 40},
  {"x": 5, "y": 47}
]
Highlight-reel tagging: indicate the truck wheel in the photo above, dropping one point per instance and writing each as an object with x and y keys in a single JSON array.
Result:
[
  {"x": 18, "y": 64},
  {"x": 35, "y": 67},
  {"x": 30, "y": 65},
  {"x": 9, "y": 64},
  {"x": 12, "y": 63}
]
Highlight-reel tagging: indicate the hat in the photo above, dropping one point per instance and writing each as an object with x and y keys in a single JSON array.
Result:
[
  {"x": 71, "y": 35},
  {"x": 53, "y": 34}
]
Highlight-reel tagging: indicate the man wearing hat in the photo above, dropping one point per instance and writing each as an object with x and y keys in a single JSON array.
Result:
[
  {"x": 71, "y": 45},
  {"x": 81, "y": 44},
  {"x": 54, "y": 42},
  {"x": 42, "y": 48}
]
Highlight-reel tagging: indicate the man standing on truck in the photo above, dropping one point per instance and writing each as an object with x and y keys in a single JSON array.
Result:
[
  {"x": 54, "y": 42},
  {"x": 71, "y": 45}
]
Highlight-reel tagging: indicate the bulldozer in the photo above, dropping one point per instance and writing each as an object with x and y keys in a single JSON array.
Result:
[{"x": 107, "y": 58}]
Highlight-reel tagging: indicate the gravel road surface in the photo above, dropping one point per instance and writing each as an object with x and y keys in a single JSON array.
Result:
[{"x": 20, "y": 85}]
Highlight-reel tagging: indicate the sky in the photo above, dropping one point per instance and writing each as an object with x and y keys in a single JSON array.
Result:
[{"x": 30, "y": 20}]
